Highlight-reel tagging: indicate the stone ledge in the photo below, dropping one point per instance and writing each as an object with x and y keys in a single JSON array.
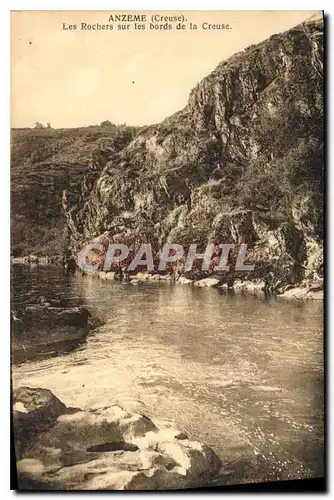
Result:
[{"x": 104, "y": 449}]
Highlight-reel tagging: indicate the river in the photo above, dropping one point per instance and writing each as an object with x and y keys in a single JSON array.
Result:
[{"x": 241, "y": 374}]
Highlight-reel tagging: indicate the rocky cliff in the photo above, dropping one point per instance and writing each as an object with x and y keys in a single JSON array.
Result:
[{"x": 242, "y": 162}]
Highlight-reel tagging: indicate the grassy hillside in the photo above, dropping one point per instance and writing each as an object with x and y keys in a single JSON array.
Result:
[{"x": 44, "y": 162}]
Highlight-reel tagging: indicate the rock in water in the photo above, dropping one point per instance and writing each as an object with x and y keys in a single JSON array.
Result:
[
  {"x": 208, "y": 282},
  {"x": 104, "y": 449},
  {"x": 184, "y": 281},
  {"x": 44, "y": 325}
]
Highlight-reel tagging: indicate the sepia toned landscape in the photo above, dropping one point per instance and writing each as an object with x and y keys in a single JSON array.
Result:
[{"x": 160, "y": 377}]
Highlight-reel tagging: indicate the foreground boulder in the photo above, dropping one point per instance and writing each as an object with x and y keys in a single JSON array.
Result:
[
  {"x": 104, "y": 449},
  {"x": 34, "y": 410}
]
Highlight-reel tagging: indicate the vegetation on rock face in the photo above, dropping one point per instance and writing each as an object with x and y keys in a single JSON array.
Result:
[
  {"x": 45, "y": 162},
  {"x": 241, "y": 163}
]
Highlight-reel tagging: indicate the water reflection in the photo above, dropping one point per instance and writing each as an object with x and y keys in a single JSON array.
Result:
[
  {"x": 30, "y": 353},
  {"x": 241, "y": 374}
]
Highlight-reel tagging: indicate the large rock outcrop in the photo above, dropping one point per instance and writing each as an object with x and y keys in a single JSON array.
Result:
[
  {"x": 105, "y": 449},
  {"x": 242, "y": 162}
]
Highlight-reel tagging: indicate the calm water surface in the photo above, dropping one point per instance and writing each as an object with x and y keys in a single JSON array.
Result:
[{"x": 241, "y": 374}]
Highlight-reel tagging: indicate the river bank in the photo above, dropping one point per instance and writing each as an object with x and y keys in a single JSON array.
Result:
[
  {"x": 35, "y": 259},
  {"x": 244, "y": 376},
  {"x": 305, "y": 291}
]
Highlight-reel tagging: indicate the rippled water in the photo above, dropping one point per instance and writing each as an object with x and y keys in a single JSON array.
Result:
[{"x": 241, "y": 374}]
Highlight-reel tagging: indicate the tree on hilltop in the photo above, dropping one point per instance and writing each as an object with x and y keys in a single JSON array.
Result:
[{"x": 107, "y": 123}]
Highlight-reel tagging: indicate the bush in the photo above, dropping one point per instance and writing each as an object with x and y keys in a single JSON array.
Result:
[{"x": 107, "y": 123}]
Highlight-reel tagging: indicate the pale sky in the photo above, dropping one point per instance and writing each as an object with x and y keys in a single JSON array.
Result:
[{"x": 79, "y": 78}]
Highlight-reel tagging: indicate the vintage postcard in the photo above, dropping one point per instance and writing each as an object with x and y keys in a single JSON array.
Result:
[{"x": 167, "y": 191}]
